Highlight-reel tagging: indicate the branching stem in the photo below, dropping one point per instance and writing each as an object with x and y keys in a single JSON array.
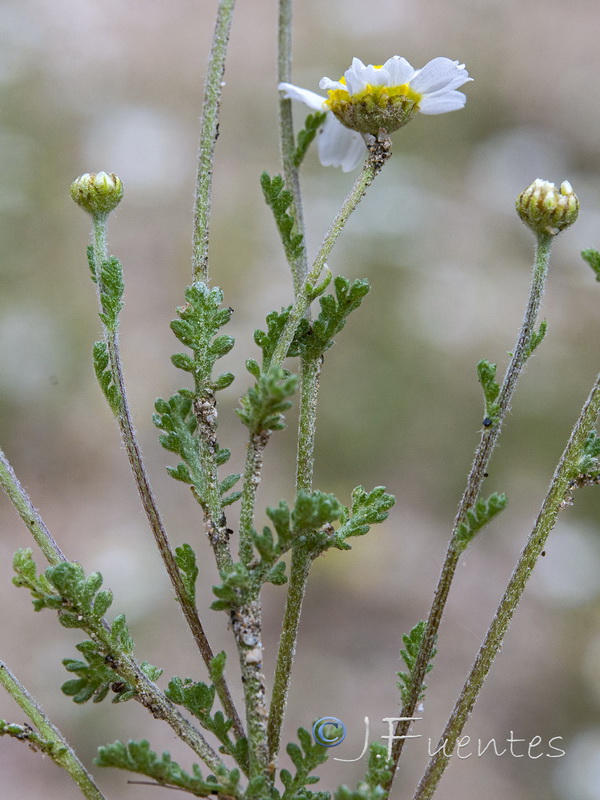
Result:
[
  {"x": 379, "y": 152},
  {"x": 51, "y": 741},
  {"x": 142, "y": 481},
  {"x": 477, "y": 475},
  {"x": 554, "y": 501}
]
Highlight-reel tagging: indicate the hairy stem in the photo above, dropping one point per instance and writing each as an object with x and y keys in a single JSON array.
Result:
[
  {"x": 287, "y": 645},
  {"x": 247, "y": 626},
  {"x": 310, "y": 372},
  {"x": 142, "y": 481},
  {"x": 489, "y": 438},
  {"x": 254, "y": 460},
  {"x": 51, "y": 742},
  {"x": 559, "y": 490},
  {"x": 299, "y": 267},
  {"x": 208, "y": 137},
  {"x": 28, "y": 513},
  {"x": 379, "y": 152}
]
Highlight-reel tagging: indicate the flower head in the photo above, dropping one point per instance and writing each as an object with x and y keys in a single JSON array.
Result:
[
  {"x": 374, "y": 99},
  {"x": 546, "y": 209},
  {"x": 97, "y": 193}
]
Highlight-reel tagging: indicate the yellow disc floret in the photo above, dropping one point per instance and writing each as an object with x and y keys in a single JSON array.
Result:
[{"x": 374, "y": 108}]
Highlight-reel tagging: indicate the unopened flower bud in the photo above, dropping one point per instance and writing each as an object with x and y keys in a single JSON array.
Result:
[
  {"x": 546, "y": 209},
  {"x": 97, "y": 193}
]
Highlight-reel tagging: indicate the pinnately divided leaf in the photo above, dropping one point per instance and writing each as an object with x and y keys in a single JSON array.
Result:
[
  {"x": 592, "y": 257},
  {"x": 280, "y": 200},
  {"x": 137, "y": 756},
  {"x": 306, "y": 136},
  {"x": 486, "y": 372},
  {"x": 412, "y": 643},
  {"x": 480, "y": 515}
]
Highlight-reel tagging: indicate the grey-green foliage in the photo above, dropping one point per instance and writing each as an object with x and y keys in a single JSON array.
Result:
[
  {"x": 104, "y": 375},
  {"x": 137, "y": 756},
  {"x": 177, "y": 419},
  {"x": 198, "y": 698},
  {"x": 25, "y": 733},
  {"x": 589, "y": 463},
  {"x": 306, "y": 136},
  {"x": 280, "y": 201},
  {"x": 64, "y": 588},
  {"x": 111, "y": 292},
  {"x": 95, "y": 677},
  {"x": 200, "y": 320},
  {"x": 536, "y": 338},
  {"x": 318, "y": 337},
  {"x": 486, "y": 372},
  {"x": 412, "y": 644},
  {"x": 309, "y": 524},
  {"x": 305, "y": 759},
  {"x": 481, "y": 513},
  {"x": 268, "y": 340},
  {"x": 185, "y": 558},
  {"x": 264, "y": 404},
  {"x": 377, "y": 776},
  {"x": 81, "y": 603},
  {"x": 198, "y": 326},
  {"x": 592, "y": 257}
]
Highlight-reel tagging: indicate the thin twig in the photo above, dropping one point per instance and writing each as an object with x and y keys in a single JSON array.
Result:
[
  {"x": 208, "y": 137},
  {"x": 477, "y": 475},
  {"x": 51, "y": 742},
  {"x": 553, "y": 503},
  {"x": 142, "y": 481}
]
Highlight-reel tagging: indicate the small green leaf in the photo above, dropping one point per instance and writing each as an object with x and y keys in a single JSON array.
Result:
[
  {"x": 105, "y": 376},
  {"x": 280, "y": 200},
  {"x": 412, "y": 643},
  {"x": 536, "y": 338},
  {"x": 592, "y": 257},
  {"x": 482, "y": 512},
  {"x": 486, "y": 372},
  {"x": 185, "y": 558},
  {"x": 264, "y": 404},
  {"x": 111, "y": 292},
  {"x": 306, "y": 136}
]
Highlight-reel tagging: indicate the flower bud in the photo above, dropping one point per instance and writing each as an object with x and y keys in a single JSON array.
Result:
[
  {"x": 546, "y": 209},
  {"x": 97, "y": 193}
]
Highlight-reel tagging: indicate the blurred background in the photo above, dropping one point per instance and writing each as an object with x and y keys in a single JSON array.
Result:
[{"x": 87, "y": 86}]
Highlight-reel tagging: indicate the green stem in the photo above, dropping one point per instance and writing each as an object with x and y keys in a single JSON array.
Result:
[
  {"x": 301, "y": 561},
  {"x": 287, "y": 645},
  {"x": 379, "y": 152},
  {"x": 30, "y": 516},
  {"x": 205, "y": 411},
  {"x": 208, "y": 136},
  {"x": 286, "y": 136},
  {"x": 560, "y": 488},
  {"x": 254, "y": 460},
  {"x": 51, "y": 742},
  {"x": 477, "y": 475},
  {"x": 142, "y": 481},
  {"x": 246, "y": 624}
]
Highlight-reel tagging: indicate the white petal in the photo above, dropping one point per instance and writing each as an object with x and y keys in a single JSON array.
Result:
[
  {"x": 339, "y": 146},
  {"x": 327, "y": 83},
  {"x": 353, "y": 76},
  {"x": 310, "y": 99},
  {"x": 442, "y": 102},
  {"x": 399, "y": 71},
  {"x": 439, "y": 74}
]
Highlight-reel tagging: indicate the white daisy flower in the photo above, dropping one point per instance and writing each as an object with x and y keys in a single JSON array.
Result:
[{"x": 370, "y": 99}]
